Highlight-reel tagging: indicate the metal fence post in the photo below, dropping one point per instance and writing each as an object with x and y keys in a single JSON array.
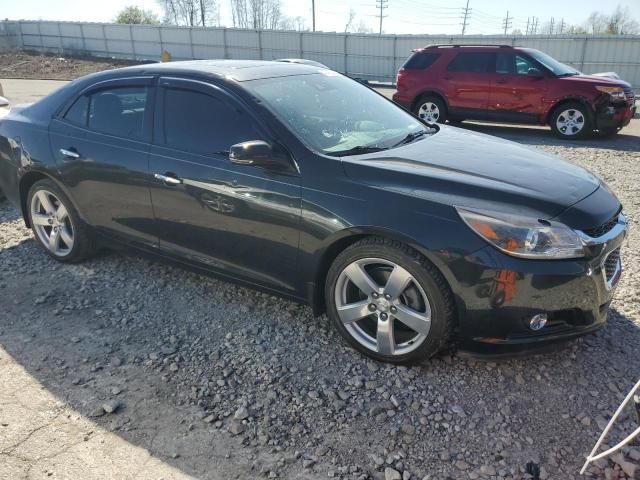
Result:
[
  {"x": 393, "y": 58},
  {"x": 40, "y": 37},
  {"x": 301, "y": 45},
  {"x": 161, "y": 42},
  {"x": 84, "y": 42},
  {"x": 224, "y": 44},
  {"x": 133, "y": 44},
  {"x": 106, "y": 43},
  {"x": 21, "y": 38},
  {"x": 584, "y": 52},
  {"x": 61, "y": 47},
  {"x": 345, "y": 51},
  {"x": 260, "y": 44},
  {"x": 193, "y": 55}
]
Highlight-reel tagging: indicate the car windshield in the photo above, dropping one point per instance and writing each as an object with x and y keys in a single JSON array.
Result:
[
  {"x": 336, "y": 115},
  {"x": 556, "y": 67}
]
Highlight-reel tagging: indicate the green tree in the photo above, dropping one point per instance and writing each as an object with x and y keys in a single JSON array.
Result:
[{"x": 136, "y": 15}]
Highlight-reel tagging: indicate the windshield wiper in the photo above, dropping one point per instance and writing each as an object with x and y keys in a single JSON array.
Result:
[
  {"x": 357, "y": 150},
  {"x": 410, "y": 137}
]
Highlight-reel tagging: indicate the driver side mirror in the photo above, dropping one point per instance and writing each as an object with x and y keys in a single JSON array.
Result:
[
  {"x": 535, "y": 73},
  {"x": 4, "y": 102},
  {"x": 258, "y": 153}
]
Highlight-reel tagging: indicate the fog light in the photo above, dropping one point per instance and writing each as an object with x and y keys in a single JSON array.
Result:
[{"x": 538, "y": 321}]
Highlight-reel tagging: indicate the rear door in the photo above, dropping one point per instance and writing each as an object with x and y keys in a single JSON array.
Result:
[
  {"x": 238, "y": 220},
  {"x": 101, "y": 143},
  {"x": 469, "y": 77},
  {"x": 518, "y": 92}
]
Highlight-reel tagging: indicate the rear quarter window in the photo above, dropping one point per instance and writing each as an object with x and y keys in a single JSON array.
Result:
[{"x": 420, "y": 61}]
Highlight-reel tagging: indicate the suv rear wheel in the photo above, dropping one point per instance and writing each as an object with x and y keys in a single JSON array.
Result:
[
  {"x": 431, "y": 109},
  {"x": 571, "y": 120}
]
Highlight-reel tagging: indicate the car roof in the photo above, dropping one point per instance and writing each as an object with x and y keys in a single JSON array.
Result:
[
  {"x": 475, "y": 47},
  {"x": 238, "y": 70}
]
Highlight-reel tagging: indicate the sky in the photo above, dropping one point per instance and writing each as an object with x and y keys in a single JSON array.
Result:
[{"x": 402, "y": 16}]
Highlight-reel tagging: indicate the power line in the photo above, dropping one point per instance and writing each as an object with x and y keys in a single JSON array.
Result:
[
  {"x": 465, "y": 17},
  {"x": 382, "y": 4}
]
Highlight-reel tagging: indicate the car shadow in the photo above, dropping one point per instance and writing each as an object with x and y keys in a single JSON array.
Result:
[
  {"x": 542, "y": 136},
  {"x": 184, "y": 351}
]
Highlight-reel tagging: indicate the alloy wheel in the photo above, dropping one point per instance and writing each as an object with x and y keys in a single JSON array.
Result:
[
  {"x": 570, "y": 122},
  {"x": 429, "y": 112},
  {"x": 52, "y": 223},
  {"x": 382, "y": 306}
]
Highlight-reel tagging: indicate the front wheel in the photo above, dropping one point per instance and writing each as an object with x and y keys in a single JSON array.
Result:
[
  {"x": 571, "y": 121},
  {"x": 56, "y": 224},
  {"x": 389, "y": 302}
]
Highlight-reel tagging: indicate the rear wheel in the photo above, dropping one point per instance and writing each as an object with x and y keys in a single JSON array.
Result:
[
  {"x": 389, "y": 302},
  {"x": 56, "y": 224},
  {"x": 571, "y": 121},
  {"x": 431, "y": 109}
]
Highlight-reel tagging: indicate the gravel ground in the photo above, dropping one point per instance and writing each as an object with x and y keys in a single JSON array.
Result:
[{"x": 253, "y": 386}]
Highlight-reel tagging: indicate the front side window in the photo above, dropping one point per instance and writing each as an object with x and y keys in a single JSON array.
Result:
[
  {"x": 472, "y": 62},
  {"x": 201, "y": 123},
  {"x": 336, "y": 115},
  {"x": 505, "y": 63},
  {"x": 118, "y": 111},
  {"x": 523, "y": 65}
]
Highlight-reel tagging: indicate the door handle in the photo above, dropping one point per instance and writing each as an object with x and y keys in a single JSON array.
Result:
[
  {"x": 167, "y": 179},
  {"x": 69, "y": 153},
  {"x": 501, "y": 80}
]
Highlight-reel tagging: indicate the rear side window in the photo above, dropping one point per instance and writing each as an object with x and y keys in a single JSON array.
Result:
[
  {"x": 119, "y": 111},
  {"x": 476, "y": 62},
  {"x": 420, "y": 61},
  {"x": 200, "y": 123},
  {"x": 116, "y": 111}
]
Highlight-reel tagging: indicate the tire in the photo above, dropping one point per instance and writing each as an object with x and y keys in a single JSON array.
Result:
[
  {"x": 431, "y": 109},
  {"x": 425, "y": 295},
  {"x": 74, "y": 240},
  {"x": 571, "y": 121}
]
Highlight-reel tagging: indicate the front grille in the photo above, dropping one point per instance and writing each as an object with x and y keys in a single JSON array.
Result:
[
  {"x": 612, "y": 267},
  {"x": 602, "y": 229}
]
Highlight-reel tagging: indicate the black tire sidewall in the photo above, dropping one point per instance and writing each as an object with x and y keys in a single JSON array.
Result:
[
  {"x": 442, "y": 107},
  {"x": 79, "y": 229},
  {"x": 586, "y": 130},
  {"x": 438, "y": 333}
]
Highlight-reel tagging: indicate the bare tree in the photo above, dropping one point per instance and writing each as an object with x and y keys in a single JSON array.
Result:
[
  {"x": 364, "y": 28},
  {"x": 257, "y": 14},
  {"x": 596, "y": 23},
  {"x": 189, "y": 12},
  {"x": 620, "y": 22},
  {"x": 292, "y": 23},
  {"x": 352, "y": 16}
]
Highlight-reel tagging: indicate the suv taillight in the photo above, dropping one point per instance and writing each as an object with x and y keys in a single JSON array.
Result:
[{"x": 400, "y": 77}]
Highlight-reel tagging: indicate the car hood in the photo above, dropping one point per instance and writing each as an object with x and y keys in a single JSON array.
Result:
[
  {"x": 596, "y": 80},
  {"x": 473, "y": 170}
]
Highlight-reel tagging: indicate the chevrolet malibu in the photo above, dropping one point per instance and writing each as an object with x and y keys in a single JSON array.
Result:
[{"x": 304, "y": 183}]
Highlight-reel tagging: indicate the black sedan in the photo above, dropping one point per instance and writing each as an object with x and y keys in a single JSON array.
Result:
[{"x": 305, "y": 183}]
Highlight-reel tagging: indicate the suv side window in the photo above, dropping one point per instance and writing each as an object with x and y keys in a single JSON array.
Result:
[
  {"x": 200, "y": 123},
  {"x": 505, "y": 63},
  {"x": 523, "y": 65},
  {"x": 420, "y": 61},
  {"x": 476, "y": 62}
]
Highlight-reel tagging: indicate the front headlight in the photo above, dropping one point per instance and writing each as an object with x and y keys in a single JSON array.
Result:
[
  {"x": 525, "y": 237},
  {"x": 614, "y": 92}
]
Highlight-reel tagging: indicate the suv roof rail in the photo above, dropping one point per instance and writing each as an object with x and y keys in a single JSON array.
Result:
[{"x": 458, "y": 45}]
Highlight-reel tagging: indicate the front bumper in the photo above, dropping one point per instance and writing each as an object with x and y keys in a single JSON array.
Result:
[
  {"x": 614, "y": 115},
  {"x": 498, "y": 294}
]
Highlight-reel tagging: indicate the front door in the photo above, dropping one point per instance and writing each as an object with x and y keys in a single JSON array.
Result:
[
  {"x": 238, "y": 220},
  {"x": 101, "y": 144},
  {"x": 518, "y": 92}
]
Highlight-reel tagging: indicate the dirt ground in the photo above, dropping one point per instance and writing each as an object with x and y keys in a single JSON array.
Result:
[
  {"x": 38, "y": 66},
  {"x": 124, "y": 367}
]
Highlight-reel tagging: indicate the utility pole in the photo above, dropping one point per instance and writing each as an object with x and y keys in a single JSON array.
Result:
[
  {"x": 551, "y": 22},
  {"x": 534, "y": 25},
  {"x": 561, "y": 29},
  {"x": 526, "y": 30},
  {"x": 506, "y": 23},
  {"x": 381, "y": 5},
  {"x": 313, "y": 15},
  {"x": 465, "y": 17}
]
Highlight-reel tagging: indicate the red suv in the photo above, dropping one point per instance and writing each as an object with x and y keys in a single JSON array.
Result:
[{"x": 511, "y": 84}]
